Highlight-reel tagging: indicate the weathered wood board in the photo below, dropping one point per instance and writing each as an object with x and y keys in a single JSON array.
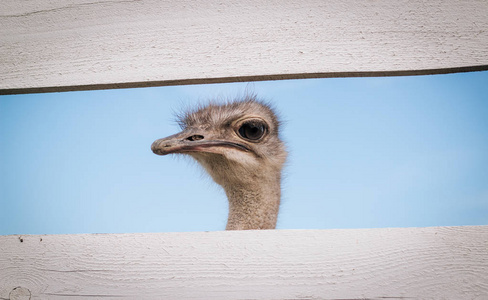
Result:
[
  {"x": 74, "y": 45},
  {"x": 400, "y": 263}
]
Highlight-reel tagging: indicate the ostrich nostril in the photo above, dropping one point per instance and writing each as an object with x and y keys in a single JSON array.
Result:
[{"x": 195, "y": 138}]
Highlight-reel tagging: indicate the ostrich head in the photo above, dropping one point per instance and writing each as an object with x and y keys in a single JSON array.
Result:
[{"x": 238, "y": 144}]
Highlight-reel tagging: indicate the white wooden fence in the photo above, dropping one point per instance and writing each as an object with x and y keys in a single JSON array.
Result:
[
  {"x": 74, "y": 45},
  {"x": 402, "y": 263},
  {"x": 85, "y": 44}
]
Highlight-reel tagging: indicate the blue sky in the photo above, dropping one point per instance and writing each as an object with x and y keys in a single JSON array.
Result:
[{"x": 364, "y": 153}]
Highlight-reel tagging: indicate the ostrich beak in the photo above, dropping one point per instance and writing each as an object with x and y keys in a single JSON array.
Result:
[{"x": 190, "y": 140}]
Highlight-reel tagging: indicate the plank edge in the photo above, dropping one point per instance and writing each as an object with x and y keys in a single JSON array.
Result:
[{"x": 269, "y": 77}]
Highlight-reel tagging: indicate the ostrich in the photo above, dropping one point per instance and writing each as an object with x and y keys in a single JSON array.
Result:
[{"x": 238, "y": 144}]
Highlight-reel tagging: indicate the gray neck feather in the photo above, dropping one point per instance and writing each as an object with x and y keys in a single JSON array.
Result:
[{"x": 253, "y": 206}]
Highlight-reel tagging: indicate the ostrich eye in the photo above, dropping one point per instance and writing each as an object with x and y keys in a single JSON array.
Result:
[{"x": 252, "y": 130}]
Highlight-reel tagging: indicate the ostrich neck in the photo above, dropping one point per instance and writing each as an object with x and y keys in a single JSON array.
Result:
[{"x": 253, "y": 206}]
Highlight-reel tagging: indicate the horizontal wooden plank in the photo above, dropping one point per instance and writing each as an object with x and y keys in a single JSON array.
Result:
[
  {"x": 75, "y": 45},
  {"x": 427, "y": 263}
]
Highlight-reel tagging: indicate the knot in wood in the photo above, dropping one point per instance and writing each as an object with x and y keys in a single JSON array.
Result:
[{"x": 20, "y": 293}]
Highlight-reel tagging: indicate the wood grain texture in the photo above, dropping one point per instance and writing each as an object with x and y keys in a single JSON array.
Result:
[
  {"x": 65, "y": 45},
  {"x": 402, "y": 263}
]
